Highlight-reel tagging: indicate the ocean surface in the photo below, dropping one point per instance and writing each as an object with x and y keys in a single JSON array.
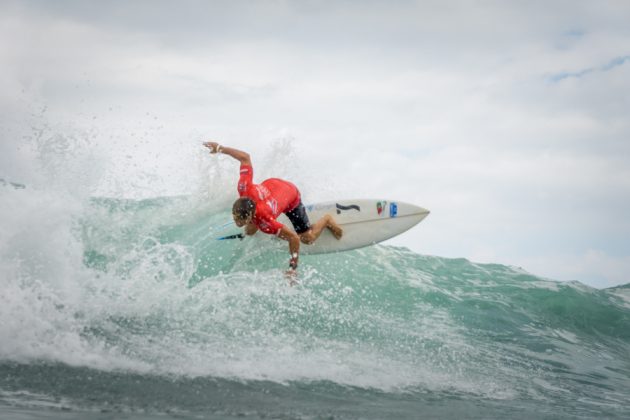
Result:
[{"x": 129, "y": 309}]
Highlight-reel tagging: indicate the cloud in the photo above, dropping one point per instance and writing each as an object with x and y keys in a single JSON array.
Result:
[{"x": 618, "y": 61}]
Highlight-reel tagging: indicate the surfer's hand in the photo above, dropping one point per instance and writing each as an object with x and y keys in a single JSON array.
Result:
[
  {"x": 213, "y": 146},
  {"x": 291, "y": 276}
]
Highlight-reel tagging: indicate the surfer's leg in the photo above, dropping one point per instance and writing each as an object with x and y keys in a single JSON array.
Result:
[
  {"x": 313, "y": 233},
  {"x": 309, "y": 233},
  {"x": 334, "y": 228}
]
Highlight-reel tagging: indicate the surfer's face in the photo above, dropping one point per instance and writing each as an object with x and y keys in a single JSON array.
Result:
[{"x": 240, "y": 222}]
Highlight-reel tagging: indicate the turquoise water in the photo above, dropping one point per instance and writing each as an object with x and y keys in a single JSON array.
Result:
[{"x": 128, "y": 309}]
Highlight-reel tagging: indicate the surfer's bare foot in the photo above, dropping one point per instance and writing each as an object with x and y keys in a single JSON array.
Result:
[{"x": 335, "y": 229}]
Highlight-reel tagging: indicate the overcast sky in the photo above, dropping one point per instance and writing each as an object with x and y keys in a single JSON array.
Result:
[{"x": 508, "y": 120}]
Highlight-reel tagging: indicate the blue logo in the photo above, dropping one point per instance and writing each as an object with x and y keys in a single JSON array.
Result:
[{"x": 393, "y": 209}]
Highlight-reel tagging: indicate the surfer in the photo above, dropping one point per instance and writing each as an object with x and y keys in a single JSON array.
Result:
[{"x": 260, "y": 205}]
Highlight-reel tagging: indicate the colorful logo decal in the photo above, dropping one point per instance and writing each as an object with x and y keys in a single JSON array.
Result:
[
  {"x": 350, "y": 207},
  {"x": 380, "y": 207},
  {"x": 393, "y": 209}
]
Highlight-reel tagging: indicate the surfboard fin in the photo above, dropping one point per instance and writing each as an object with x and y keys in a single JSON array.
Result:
[{"x": 236, "y": 236}]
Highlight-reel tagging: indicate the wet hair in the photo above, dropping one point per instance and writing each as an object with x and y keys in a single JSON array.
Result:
[{"x": 243, "y": 208}]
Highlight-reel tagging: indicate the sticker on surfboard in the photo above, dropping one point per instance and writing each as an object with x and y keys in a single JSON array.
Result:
[
  {"x": 380, "y": 207},
  {"x": 346, "y": 208},
  {"x": 393, "y": 209}
]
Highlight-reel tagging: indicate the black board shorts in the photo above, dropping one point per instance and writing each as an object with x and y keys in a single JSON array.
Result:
[{"x": 299, "y": 219}]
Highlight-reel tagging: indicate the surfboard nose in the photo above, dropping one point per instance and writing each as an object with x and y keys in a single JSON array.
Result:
[
  {"x": 413, "y": 209},
  {"x": 423, "y": 213}
]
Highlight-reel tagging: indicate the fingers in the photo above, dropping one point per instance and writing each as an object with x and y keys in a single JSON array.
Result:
[{"x": 212, "y": 146}]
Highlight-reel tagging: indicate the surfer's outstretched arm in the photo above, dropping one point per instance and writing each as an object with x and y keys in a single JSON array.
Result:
[
  {"x": 294, "y": 245},
  {"x": 239, "y": 155}
]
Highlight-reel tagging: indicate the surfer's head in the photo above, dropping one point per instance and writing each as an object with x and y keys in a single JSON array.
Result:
[{"x": 243, "y": 211}]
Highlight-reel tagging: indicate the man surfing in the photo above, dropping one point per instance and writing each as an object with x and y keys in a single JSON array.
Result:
[{"x": 260, "y": 205}]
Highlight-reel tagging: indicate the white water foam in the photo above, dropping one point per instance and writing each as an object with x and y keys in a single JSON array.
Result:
[{"x": 140, "y": 313}]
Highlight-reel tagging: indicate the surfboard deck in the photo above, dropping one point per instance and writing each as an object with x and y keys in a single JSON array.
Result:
[{"x": 364, "y": 221}]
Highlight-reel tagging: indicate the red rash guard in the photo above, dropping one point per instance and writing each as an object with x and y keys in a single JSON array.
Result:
[{"x": 272, "y": 197}]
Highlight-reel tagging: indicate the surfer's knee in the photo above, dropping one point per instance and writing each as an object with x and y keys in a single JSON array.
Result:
[{"x": 307, "y": 238}]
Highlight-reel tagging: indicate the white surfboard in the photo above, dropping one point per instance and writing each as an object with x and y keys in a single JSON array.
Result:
[{"x": 364, "y": 222}]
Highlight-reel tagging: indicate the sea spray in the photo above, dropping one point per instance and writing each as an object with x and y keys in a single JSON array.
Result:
[{"x": 130, "y": 305}]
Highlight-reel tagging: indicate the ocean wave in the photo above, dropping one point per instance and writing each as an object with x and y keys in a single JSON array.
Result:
[{"x": 141, "y": 286}]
